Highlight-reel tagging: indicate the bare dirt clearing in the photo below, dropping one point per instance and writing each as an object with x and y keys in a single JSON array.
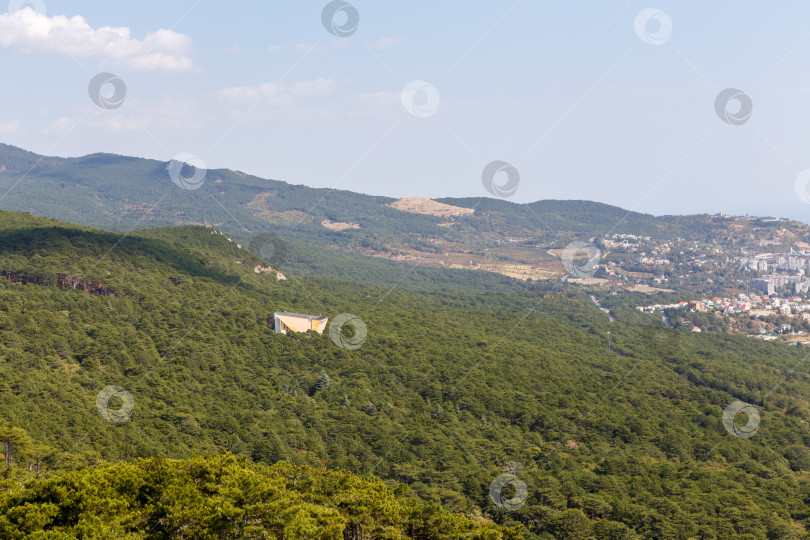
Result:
[{"x": 421, "y": 205}]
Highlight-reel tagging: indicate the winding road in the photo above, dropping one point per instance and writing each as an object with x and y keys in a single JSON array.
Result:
[{"x": 603, "y": 308}]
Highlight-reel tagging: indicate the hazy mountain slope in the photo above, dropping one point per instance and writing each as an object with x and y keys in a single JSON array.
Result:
[
  {"x": 121, "y": 193},
  {"x": 569, "y": 218}
]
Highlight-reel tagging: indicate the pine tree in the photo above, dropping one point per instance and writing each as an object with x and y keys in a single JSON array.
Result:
[
  {"x": 14, "y": 441},
  {"x": 370, "y": 409},
  {"x": 322, "y": 382}
]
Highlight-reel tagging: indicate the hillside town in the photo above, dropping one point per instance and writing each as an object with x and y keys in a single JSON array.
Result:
[
  {"x": 775, "y": 315},
  {"x": 719, "y": 264}
]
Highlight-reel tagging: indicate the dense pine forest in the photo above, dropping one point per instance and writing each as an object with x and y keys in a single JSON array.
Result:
[
  {"x": 216, "y": 426},
  {"x": 226, "y": 497}
]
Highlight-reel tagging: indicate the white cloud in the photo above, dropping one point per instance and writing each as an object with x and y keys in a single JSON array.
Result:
[
  {"x": 380, "y": 99},
  {"x": 156, "y": 115},
  {"x": 316, "y": 87},
  {"x": 385, "y": 42},
  {"x": 115, "y": 123},
  {"x": 271, "y": 91},
  {"x": 32, "y": 33},
  {"x": 275, "y": 48},
  {"x": 314, "y": 47},
  {"x": 280, "y": 94},
  {"x": 308, "y": 47},
  {"x": 60, "y": 125},
  {"x": 235, "y": 49},
  {"x": 11, "y": 127}
]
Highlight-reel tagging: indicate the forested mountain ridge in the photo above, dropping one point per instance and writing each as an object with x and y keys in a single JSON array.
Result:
[
  {"x": 449, "y": 391},
  {"x": 121, "y": 193}
]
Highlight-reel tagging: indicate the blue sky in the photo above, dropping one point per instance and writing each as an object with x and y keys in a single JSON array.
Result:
[{"x": 567, "y": 92}]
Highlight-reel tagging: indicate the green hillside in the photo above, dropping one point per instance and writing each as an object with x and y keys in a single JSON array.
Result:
[
  {"x": 566, "y": 219},
  {"x": 123, "y": 193},
  {"x": 450, "y": 390},
  {"x": 116, "y": 192}
]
